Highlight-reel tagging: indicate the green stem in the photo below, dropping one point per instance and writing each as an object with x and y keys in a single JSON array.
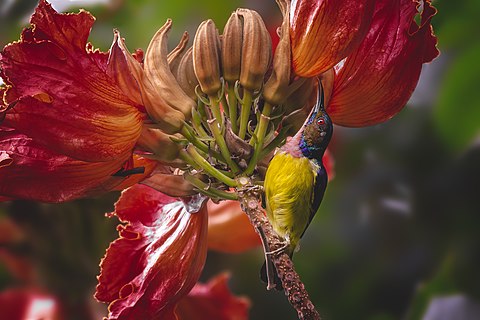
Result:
[
  {"x": 201, "y": 110},
  {"x": 209, "y": 192},
  {"x": 216, "y": 112},
  {"x": 260, "y": 134},
  {"x": 222, "y": 145},
  {"x": 190, "y": 136},
  {"x": 208, "y": 168},
  {"x": 232, "y": 106},
  {"x": 261, "y": 129},
  {"x": 226, "y": 109},
  {"x": 245, "y": 113},
  {"x": 197, "y": 124}
]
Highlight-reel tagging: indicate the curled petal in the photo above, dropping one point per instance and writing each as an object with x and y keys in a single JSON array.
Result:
[
  {"x": 3, "y": 105},
  {"x": 323, "y": 32},
  {"x": 120, "y": 69},
  {"x": 168, "y": 119},
  {"x": 37, "y": 173},
  {"x": 176, "y": 55},
  {"x": 157, "y": 259},
  {"x": 62, "y": 93},
  {"x": 159, "y": 73},
  {"x": 5, "y": 159},
  {"x": 376, "y": 81},
  {"x": 213, "y": 300},
  {"x": 229, "y": 229}
]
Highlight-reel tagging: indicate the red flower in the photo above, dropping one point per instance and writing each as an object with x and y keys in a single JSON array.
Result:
[
  {"x": 157, "y": 259},
  {"x": 62, "y": 93},
  {"x": 381, "y": 68},
  {"x": 70, "y": 119},
  {"x": 229, "y": 229},
  {"x": 213, "y": 300}
]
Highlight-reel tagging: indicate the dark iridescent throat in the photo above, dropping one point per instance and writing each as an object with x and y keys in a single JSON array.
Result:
[{"x": 317, "y": 131}]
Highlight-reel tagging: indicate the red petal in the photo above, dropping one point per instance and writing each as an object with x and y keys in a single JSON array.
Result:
[
  {"x": 64, "y": 97},
  {"x": 229, "y": 229},
  {"x": 119, "y": 70},
  {"x": 213, "y": 300},
  {"x": 3, "y": 106},
  {"x": 329, "y": 163},
  {"x": 27, "y": 304},
  {"x": 376, "y": 80},
  {"x": 40, "y": 174},
  {"x": 157, "y": 259},
  {"x": 323, "y": 32}
]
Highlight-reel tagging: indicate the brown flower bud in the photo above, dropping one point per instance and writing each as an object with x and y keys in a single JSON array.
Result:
[
  {"x": 158, "y": 143},
  {"x": 206, "y": 62},
  {"x": 158, "y": 72},
  {"x": 232, "y": 48},
  {"x": 176, "y": 55},
  {"x": 256, "y": 50},
  {"x": 186, "y": 74},
  {"x": 276, "y": 88},
  {"x": 168, "y": 119}
]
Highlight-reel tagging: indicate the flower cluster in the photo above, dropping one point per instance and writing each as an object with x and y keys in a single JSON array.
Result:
[{"x": 188, "y": 123}]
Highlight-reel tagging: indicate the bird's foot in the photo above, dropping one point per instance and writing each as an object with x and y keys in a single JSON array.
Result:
[{"x": 282, "y": 249}]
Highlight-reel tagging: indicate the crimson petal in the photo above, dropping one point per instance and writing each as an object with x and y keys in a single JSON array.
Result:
[
  {"x": 376, "y": 81},
  {"x": 157, "y": 259},
  {"x": 213, "y": 300},
  {"x": 63, "y": 94},
  {"x": 229, "y": 229},
  {"x": 36, "y": 173},
  {"x": 323, "y": 32}
]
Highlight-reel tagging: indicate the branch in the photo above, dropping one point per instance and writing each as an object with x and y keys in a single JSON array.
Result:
[{"x": 249, "y": 196}]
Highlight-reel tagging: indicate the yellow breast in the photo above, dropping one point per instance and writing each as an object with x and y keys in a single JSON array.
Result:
[{"x": 289, "y": 186}]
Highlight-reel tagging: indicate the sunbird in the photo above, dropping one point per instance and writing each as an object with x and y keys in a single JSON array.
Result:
[{"x": 296, "y": 180}]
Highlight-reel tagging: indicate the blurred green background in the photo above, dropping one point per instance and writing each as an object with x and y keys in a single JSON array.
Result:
[{"x": 398, "y": 236}]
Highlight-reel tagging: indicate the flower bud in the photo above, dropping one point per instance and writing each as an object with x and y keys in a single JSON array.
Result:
[
  {"x": 186, "y": 74},
  {"x": 276, "y": 88},
  {"x": 232, "y": 48},
  {"x": 206, "y": 61},
  {"x": 159, "y": 143},
  {"x": 256, "y": 50},
  {"x": 158, "y": 72},
  {"x": 176, "y": 55}
]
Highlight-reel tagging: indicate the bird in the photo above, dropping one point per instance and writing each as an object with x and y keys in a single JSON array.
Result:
[{"x": 295, "y": 183}]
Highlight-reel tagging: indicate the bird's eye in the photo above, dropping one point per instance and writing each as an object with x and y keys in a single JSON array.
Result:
[{"x": 321, "y": 122}]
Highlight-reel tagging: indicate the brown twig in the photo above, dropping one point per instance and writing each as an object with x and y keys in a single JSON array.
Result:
[{"x": 249, "y": 196}]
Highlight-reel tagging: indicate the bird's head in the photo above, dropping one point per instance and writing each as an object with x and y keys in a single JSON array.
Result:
[{"x": 317, "y": 131}]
